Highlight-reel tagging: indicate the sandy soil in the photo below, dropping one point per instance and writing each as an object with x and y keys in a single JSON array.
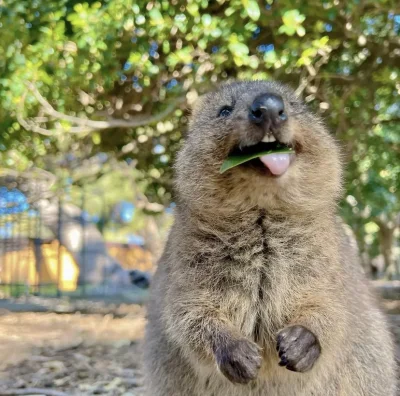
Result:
[{"x": 70, "y": 354}]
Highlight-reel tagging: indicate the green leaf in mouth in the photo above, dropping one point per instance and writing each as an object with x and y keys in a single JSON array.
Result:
[{"x": 238, "y": 159}]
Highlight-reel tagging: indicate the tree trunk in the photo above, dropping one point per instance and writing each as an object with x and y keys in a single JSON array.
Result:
[
  {"x": 386, "y": 242},
  {"x": 153, "y": 238}
]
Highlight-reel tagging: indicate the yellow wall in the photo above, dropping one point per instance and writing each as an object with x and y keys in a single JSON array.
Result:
[{"x": 18, "y": 267}]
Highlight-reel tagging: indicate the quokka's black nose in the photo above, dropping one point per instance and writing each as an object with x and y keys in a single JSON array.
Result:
[{"x": 268, "y": 108}]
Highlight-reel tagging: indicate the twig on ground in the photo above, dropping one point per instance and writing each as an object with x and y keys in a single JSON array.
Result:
[{"x": 33, "y": 391}]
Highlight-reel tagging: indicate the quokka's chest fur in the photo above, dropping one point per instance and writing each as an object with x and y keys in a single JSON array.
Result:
[{"x": 257, "y": 267}]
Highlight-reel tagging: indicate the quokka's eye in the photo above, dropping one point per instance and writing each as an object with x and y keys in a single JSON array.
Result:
[{"x": 225, "y": 111}]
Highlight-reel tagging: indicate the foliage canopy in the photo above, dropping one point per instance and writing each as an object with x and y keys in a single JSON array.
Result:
[{"x": 114, "y": 78}]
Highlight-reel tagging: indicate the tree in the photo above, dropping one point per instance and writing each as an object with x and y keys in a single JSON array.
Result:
[{"x": 117, "y": 76}]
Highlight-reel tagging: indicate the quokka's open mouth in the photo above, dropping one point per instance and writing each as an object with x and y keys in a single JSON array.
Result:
[{"x": 269, "y": 153}]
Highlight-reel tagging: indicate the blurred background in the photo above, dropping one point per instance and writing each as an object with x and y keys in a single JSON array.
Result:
[{"x": 94, "y": 103}]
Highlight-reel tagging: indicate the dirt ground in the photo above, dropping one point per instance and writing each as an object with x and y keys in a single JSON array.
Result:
[
  {"x": 80, "y": 354},
  {"x": 70, "y": 354}
]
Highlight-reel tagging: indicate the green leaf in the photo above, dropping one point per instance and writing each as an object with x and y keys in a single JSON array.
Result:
[
  {"x": 140, "y": 20},
  {"x": 252, "y": 9},
  {"x": 216, "y": 33},
  {"x": 230, "y": 11},
  {"x": 96, "y": 138},
  {"x": 235, "y": 160},
  {"x": 154, "y": 69},
  {"x": 206, "y": 19},
  {"x": 301, "y": 31},
  {"x": 289, "y": 30},
  {"x": 270, "y": 57},
  {"x": 238, "y": 49},
  {"x": 193, "y": 9},
  {"x": 293, "y": 19},
  {"x": 155, "y": 16}
]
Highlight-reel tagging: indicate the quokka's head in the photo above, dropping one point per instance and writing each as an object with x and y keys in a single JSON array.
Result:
[{"x": 247, "y": 117}]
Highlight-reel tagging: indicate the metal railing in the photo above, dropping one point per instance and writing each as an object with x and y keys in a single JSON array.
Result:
[{"x": 57, "y": 249}]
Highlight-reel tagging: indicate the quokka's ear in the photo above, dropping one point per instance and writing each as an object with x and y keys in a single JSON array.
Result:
[{"x": 195, "y": 105}]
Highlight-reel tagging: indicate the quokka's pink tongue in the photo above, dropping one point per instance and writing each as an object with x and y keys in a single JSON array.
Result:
[{"x": 277, "y": 163}]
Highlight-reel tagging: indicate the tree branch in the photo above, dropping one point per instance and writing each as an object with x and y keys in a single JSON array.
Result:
[
  {"x": 313, "y": 73},
  {"x": 395, "y": 120},
  {"x": 81, "y": 125},
  {"x": 343, "y": 77},
  {"x": 29, "y": 126}
]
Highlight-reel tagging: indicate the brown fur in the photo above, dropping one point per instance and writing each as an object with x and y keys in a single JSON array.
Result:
[{"x": 249, "y": 257}]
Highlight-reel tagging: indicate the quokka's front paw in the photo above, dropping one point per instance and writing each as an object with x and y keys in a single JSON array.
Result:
[
  {"x": 238, "y": 360},
  {"x": 298, "y": 348}
]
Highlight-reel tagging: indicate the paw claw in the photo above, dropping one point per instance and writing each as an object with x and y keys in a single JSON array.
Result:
[
  {"x": 298, "y": 348},
  {"x": 283, "y": 361},
  {"x": 239, "y": 360}
]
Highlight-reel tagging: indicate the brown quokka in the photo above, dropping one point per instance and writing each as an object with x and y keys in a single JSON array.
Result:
[{"x": 257, "y": 292}]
